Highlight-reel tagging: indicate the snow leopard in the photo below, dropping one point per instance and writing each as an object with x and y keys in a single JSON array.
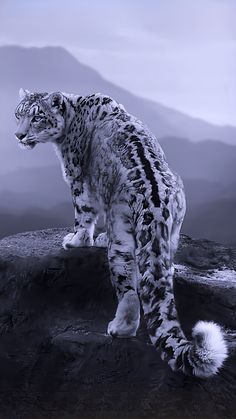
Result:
[{"x": 114, "y": 165}]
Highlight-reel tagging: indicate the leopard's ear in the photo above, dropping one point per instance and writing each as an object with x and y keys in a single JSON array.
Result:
[
  {"x": 23, "y": 93},
  {"x": 56, "y": 101}
]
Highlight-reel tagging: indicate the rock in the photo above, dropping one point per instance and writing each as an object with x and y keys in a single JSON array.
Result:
[
  {"x": 56, "y": 360},
  {"x": 205, "y": 283}
]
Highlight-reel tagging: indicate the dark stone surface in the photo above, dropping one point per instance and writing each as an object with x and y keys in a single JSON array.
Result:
[{"x": 56, "y": 360}]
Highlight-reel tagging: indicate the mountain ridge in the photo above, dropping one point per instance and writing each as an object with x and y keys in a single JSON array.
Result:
[
  {"x": 211, "y": 196},
  {"x": 60, "y": 70},
  {"x": 206, "y": 166}
]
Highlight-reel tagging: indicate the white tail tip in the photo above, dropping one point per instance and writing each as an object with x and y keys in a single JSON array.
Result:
[{"x": 209, "y": 349}]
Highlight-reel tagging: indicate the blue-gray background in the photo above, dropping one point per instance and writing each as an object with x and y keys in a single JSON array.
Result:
[{"x": 172, "y": 63}]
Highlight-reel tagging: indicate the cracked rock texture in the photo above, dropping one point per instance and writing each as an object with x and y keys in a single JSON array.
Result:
[{"x": 56, "y": 360}]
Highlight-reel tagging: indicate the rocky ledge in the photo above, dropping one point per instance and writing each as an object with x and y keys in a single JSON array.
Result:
[{"x": 56, "y": 360}]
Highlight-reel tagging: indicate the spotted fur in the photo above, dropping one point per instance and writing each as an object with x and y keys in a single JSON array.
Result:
[{"x": 114, "y": 164}]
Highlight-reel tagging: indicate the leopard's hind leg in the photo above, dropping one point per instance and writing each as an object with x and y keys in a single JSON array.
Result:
[{"x": 123, "y": 269}]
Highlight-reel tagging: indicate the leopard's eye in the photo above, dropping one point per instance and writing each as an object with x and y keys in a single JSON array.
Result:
[
  {"x": 17, "y": 116},
  {"x": 37, "y": 118}
]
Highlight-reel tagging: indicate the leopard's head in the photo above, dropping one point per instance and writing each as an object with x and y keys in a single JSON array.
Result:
[{"x": 40, "y": 118}]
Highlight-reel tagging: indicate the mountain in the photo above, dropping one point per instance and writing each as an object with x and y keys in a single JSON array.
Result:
[
  {"x": 39, "y": 186},
  {"x": 208, "y": 169},
  {"x": 214, "y": 221},
  {"x": 53, "y": 68},
  {"x": 32, "y": 192},
  {"x": 13, "y": 221},
  {"x": 34, "y": 196},
  {"x": 207, "y": 160}
]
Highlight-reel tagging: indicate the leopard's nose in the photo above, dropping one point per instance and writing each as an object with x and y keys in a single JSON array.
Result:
[{"x": 20, "y": 136}]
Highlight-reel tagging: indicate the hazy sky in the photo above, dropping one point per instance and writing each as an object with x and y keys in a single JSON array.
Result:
[{"x": 181, "y": 53}]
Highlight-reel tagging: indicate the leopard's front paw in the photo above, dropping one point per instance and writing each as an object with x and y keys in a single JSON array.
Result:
[
  {"x": 79, "y": 239},
  {"x": 101, "y": 240}
]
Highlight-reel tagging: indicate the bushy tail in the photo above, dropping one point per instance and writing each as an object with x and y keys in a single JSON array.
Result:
[
  {"x": 205, "y": 354},
  {"x": 202, "y": 356}
]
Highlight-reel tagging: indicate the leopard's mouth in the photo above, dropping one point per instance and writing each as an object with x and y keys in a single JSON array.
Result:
[{"x": 27, "y": 144}]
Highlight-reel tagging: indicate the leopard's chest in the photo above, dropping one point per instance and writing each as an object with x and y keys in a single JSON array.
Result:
[{"x": 70, "y": 163}]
